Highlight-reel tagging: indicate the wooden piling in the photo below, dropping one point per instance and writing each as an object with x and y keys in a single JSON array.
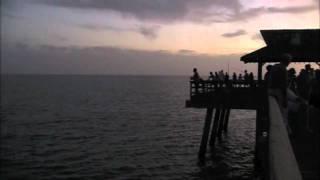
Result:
[
  {"x": 221, "y": 121},
  {"x": 257, "y": 155},
  {"x": 205, "y": 134},
  {"x": 215, "y": 127},
  {"x": 226, "y": 120}
]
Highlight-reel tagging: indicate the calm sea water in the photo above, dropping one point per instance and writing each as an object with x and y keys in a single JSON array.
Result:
[{"x": 113, "y": 127}]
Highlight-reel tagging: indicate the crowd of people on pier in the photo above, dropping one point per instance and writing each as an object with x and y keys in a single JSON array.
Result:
[
  {"x": 224, "y": 77},
  {"x": 306, "y": 84},
  {"x": 278, "y": 79},
  {"x": 294, "y": 92},
  {"x": 291, "y": 90}
]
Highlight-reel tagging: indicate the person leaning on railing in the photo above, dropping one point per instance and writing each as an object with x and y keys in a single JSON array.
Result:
[
  {"x": 279, "y": 83},
  {"x": 196, "y": 79},
  {"x": 267, "y": 76},
  {"x": 315, "y": 90},
  {"x": 195, "y": 76}
]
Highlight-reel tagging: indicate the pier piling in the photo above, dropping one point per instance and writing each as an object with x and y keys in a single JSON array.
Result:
[
  {"x": 221, "y": 121},
  {"x": 226, "y": 120},
  {"x": 205, "y": 135},
  {"x": 215, "y": 127}
]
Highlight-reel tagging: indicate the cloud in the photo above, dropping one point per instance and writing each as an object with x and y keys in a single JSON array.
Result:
[
  {"x": 153, "y": 10},
  {"x": 171, "y": 11},
  {"x": 258, "y": 11},
  {"x": 239, "y": 32},
  {"x": 246, "y": 14},
  {"x": 148, "y": 31},
  {"x": 199, "y": 11},
  {"x": 300, "y": 9},
  {"x": 110, "y": 60},
  {"x": 186, "y": 51}
]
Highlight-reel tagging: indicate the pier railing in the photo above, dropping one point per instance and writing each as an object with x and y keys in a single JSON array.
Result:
[
  {"x": 237, "y": 94},
  {"x": 282, "y": 161},
  {"x": 203, "y": 87}
]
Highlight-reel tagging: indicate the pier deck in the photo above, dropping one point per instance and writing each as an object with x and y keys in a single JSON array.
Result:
[
  {"x": 303, "y": 157},
  {"x": 303, "y": 144},
  {"x": 232, "y": 95}
]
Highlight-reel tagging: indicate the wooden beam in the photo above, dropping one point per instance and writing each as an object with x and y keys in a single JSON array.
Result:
[
  {"x": 205, "y": 134},
  {"x": 226, "y": 120},
  {"x": 215, "y": 127},
  {"x": 260, "y": 64},
  {"x": 221, "y": 122}
]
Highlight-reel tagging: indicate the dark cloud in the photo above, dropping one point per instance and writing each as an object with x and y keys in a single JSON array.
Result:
[
  {"x": 95, "y": 27},
  {"x": 186, "y": 51},
  {"x": 239, "y": 32},
  {"x": 199, "y": 11},
  {"x": 148, "y": 31},
  {"x": 109, "y": 60},
  {"x": 168, "y": 11},
  {"x": 154, "y": 10}
]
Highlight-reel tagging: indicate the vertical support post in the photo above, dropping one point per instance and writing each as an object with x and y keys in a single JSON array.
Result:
[
  {"x": 260, "y": 64},
  {"x": 215, "y": 127},
  {"x": 262, "y": 125},
  {"x": 221, "y": 122},
  {"x": 226, "y": 120},
  {"x": 205, "y": 134},
  {"x": 262, "y": 129},
  {"x": 257, "y": 144}
]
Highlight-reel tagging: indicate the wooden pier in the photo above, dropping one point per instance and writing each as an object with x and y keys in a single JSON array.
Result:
[
  {"x": 275, "y": 153},
  {"x": 219, "y": 98}
]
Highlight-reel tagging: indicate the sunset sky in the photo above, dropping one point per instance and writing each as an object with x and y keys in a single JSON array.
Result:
[{"x": 156, "y": 37}]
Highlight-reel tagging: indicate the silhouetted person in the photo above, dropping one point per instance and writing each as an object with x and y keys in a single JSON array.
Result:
[
  {"x": 279, "y": 80},
  {"x": 309, "y": 77},
  {"x": 292, "y": 80},
  {"x": 216, "y": 75},
  {"x": 195, "y": 76},
  {"x": 302, "y": 81},
  {"x": 315, "y": 90},
  {"x": 221, "y": 75},
  {"x": 251, "y": 79},
  {"x": 267, "y": 76},
  {"x": 226, "y": 79},
  {"x": 234, "y": 77},
  {"x": 279, "y": 84},
  {"x": 240, "y": 77},
  {"x": 211, "y": 76},
  {"x": 220, "y": 78},
  {"x": 310, "y": 71},
  {"x": 246, "y": 76}
]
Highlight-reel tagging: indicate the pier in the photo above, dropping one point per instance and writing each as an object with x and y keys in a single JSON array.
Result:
[{"x": 277, "y": 155}]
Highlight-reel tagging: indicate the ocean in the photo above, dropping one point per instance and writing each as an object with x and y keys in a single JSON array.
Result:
[{"x": 114, "y": 127}]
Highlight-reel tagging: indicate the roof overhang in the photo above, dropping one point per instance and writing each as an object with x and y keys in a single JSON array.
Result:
[{"x": 302, "y": 45}]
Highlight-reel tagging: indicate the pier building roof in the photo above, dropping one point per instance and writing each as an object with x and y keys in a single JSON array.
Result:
[{"x": 302, "y": 44}]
